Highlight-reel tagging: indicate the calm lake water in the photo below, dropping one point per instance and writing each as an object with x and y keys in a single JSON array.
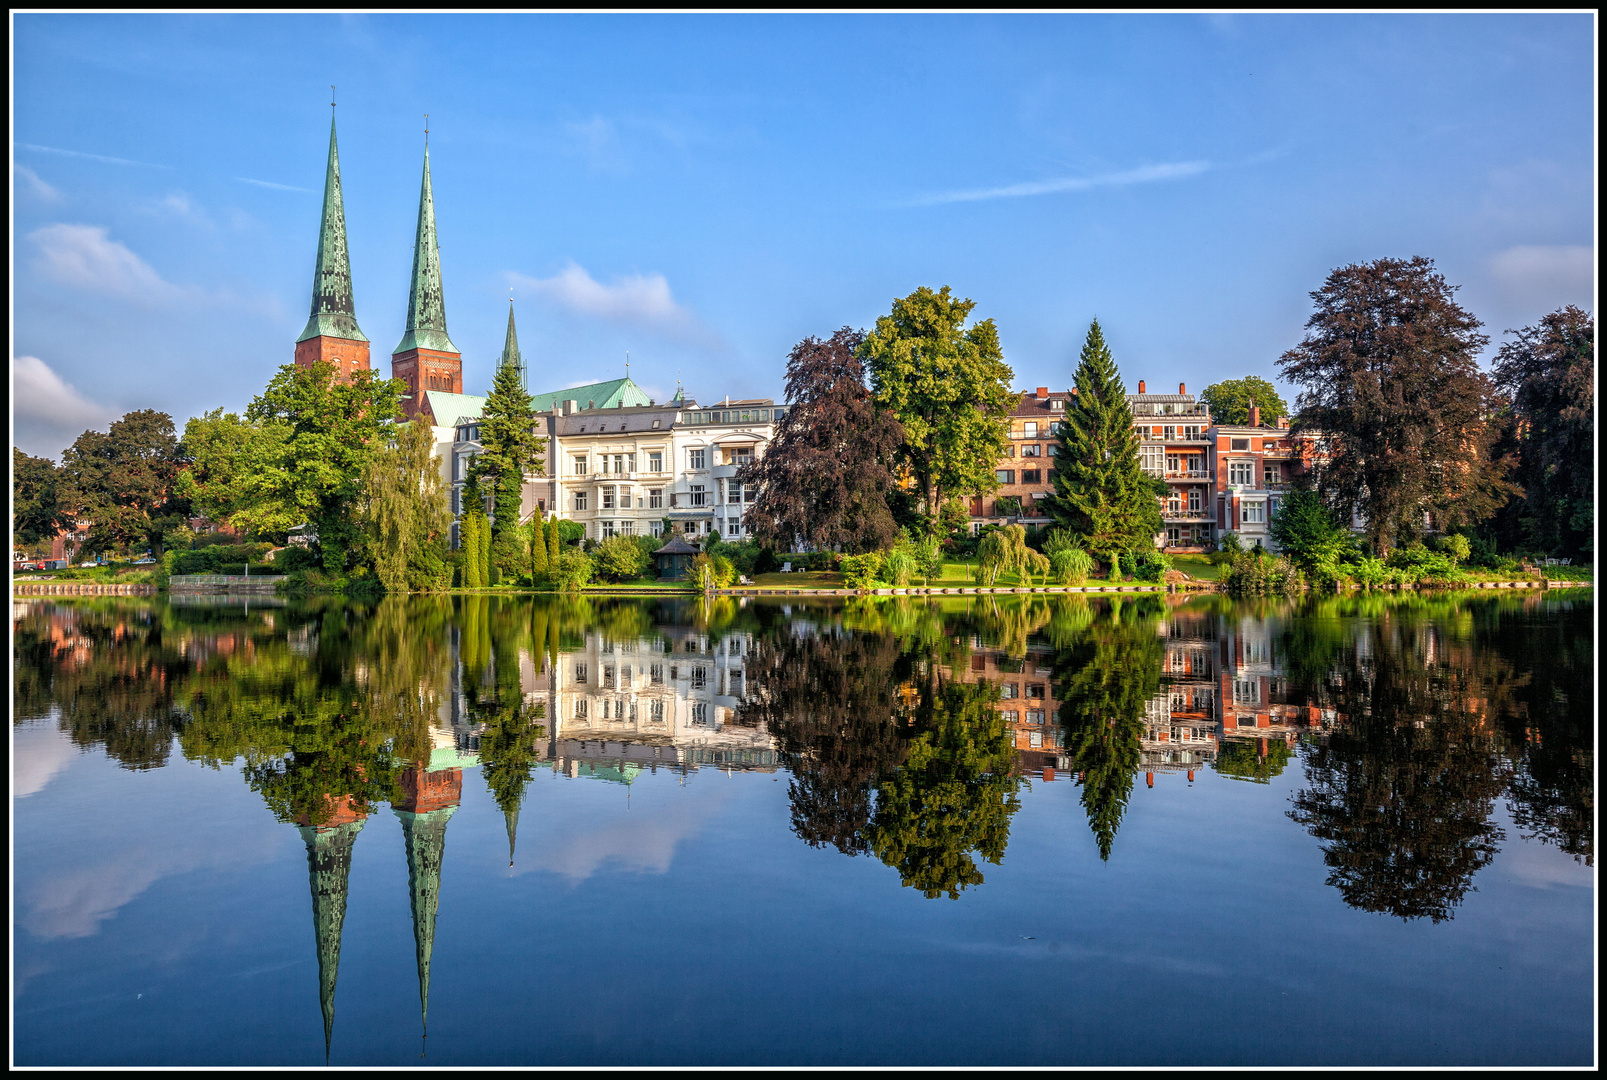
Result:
[{"x": 1043, "y": 830}]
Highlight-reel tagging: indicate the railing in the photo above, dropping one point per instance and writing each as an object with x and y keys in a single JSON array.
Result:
[{"x": 1185, "y": 474}]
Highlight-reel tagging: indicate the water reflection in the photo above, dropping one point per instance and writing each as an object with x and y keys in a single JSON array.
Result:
[{"x": 908, "y": 730}]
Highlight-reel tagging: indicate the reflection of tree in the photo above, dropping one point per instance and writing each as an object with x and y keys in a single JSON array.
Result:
[
  {"x": 1258, "y": 760},
  {"x": 508, "y": 747},
  {"x": 954, "y": 795},
  {"x": 832, "y": 701},
  {"x": 1400, "y": 792},
  {"x": 1105, "y": 679}
]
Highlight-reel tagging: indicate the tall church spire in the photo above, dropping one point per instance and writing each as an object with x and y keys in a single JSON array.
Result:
[
  {"x": 510, "y": 350},
  {"x": 329, "y": 864},
  {"x": 331, "y": 333},
  {"x": 426, "y": 306},
  {"x": 425, "y": 359},
  {"x": 425, "y": 838}
]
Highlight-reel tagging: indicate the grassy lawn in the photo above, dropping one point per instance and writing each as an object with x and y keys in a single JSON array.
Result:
[
  {"x": 808, "y": 579},
  {"x": 1198, "y": 567}
]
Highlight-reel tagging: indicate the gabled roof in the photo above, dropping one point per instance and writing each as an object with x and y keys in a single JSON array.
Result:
[
  {"x": 453, "y": 409},
  {"x": 601, "y": 395}
]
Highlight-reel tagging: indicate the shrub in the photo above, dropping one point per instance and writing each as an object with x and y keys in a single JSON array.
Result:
[
  {"x": 898, "y": 566},
  {"x": 571, "y": 533},
  {"x": 766, "y": 563},
  {"x": 1456, "y": 547},
  {"x": 1259, "y": 574},
  {"x": 862, "y": 571},
  {"x": 1071, "y": 565},
  {"x": 1230, "y": 544},
  {"x": 574, "y": 569},
  {"x": 621, "y": 558},
  {"x": 287, "y": 560}
]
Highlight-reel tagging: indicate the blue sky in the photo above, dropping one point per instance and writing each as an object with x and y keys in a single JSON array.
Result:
[{"x": 705, "y": 190}]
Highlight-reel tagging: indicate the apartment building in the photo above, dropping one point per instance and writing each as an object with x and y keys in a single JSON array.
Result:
[
  {"x": 1255, "y": 464},
  {"x": 1024, "y": 472},
  {"x": 1174, "y": 432}
]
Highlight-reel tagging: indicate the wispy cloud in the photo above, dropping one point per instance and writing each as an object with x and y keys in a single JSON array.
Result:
[
  {"x": 89, "y": 157},
  {"x": 1147, "y": 174},
  {"x": 37, "y": 187},
  {"x": 1545, "y": 276},
  {"x": 276, "y": 187},
  {"x": 49, "y": 412},
  {"x": 640, "y": 300},
  {"x": 84, "y": 257}
]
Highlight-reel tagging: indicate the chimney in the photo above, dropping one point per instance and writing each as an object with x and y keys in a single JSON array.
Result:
[
  {"x": 1073, "y": 391},
  {"x": 1140, "y": 386},
  {"x": 1283, "y": 421},
  {"x": 1149, "y": 778},
  {"x": 1043, "y": 392},
  {"x": 1182, "y": 388},
  {"x": 1255, "y": 416},
  {"x": 571, "y": 407}
]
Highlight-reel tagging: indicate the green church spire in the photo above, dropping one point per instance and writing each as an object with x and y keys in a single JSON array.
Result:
[
  {"x": 510, "y": 350},
  {"x": 425, "y": 838},
  {"x": 329, "y": 864},
  {"x": 333, "y": 311},
  {"x": 426, "y": 305},
  {"x": 511, "y": 817}
]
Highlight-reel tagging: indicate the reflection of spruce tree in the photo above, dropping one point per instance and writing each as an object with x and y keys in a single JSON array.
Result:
[
  {"x": 1400, "y": 793},
  {"x": 954, "y": 795},
  {"x": 508, "y": 744},
  {"x": 831, "y": 699},
  {"x": 1105, "y": 680}
]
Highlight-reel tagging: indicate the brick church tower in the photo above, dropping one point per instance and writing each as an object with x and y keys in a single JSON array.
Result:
[
  {"x": 425, "y": 358},
  {"x": 332, "y": 332}
]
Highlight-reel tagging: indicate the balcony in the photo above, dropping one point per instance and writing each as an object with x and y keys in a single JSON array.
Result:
[
  {"x": 726, "y": 472},
  {"x": 1188, "y": 474},
  {"x": 1187, "y": 517}
]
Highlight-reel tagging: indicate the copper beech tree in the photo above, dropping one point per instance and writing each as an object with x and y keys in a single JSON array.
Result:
[
  {"x": 1393, "y": 390},
  {"x": 826, "y": 477}
]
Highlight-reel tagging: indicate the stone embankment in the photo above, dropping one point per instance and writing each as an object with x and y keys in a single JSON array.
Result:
[
  {"x": 78, "y": 588},
  {"x": 224, "y": 583}
]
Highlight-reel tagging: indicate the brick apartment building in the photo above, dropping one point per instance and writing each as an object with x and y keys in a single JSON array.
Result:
[
  {"x": 1175, "y": 443},
  {"x": 1023, "y": 473}
]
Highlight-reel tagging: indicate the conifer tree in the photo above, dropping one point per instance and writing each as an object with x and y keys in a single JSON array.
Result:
[
  {"x": 511, "y": 450},
  {"x": 536, "y": 538},
  {"x": 1101, "y": 493},
  {"x": 554, "y": 544}
]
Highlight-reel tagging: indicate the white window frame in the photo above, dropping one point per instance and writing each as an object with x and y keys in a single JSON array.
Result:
[
  {"x": 1253, "y": 512},
  {"x": 696, "y": 460},
  {"x": 655, "y": 499}
]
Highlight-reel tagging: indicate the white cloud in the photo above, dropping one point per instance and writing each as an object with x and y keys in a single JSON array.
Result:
[
  {"x": 47, "y": 409},
  {"x": 35, "y": 186},
  {"x": 84, "y": 257},
  {"x": 274, "y": 186},
  {"x": 89, "y": 157},
  {"x": 1545, "y": 276},
  {"x": 1176, "y": 170},
  {"x": 634, "y": 843},
  {"x": 597, "y": 139},
  {"x": 38, "y": 752},
  {"x": 642, "y": 300}
]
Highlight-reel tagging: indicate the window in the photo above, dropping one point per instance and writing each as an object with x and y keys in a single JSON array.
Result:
[
  {"x": 580, "y": 500},
  {"x": 1035, "y": 690},
  {"x": 1034, "y": 716},
  {"x": 733, "y": 491},
  {"x": 1032, "y": 450},
  {"x": 580, "y": 708},
  {"x": 1254, "y": 513},
  {"x": 1192, "y": 432},
  {"x": 700, "y": 712},
  {"x": 655, "y": 499},
  {"x": 1174, "y": 536},
  {"x": 655, "y": 528},
  {"x": 1238, "y": 444},
  {"x": 733, "y": 528},
  {"x": 605, "y": 529},
  {"x": 619, "y": 463},
  {"x": 690, "y": 528},
  {"x": 580, "y": 673},
  {"x": 1030, "y": 429},
  {"x": 608, "y": 677},
  {"x": 1174, "y": 502},
  {"x": 1168, "y": 432},
  {"x": 1247, "y": 691},
  {"x": 1031, "y": 476},
  {"x": 700, "y": 677},
  {"x": 742, "y": 455},
  {"x": 655, "y": 461},
  {"x": 624, "y": 498},
  {"x": 608, "y": 495},
  {"x": 580, "y": 464},
  {"x": 699, "y": 495},
  {"x": 1241, "y": 472},
  {"x": 1152, "y": 459},
  {"x": 656, "y": 711},
  {"x": 1005, "y": 476},
  {"x": 695, "y": 459},
  {"x": 1273, "y": 471},
  {"x": 1009, "y": 690},
  {"x": 655, "y": 672},
  {"x": 1057, "y": 404},
  {"x": 1011, "y": 716},
  {"x": 627, "y": 528},
  {"x": 1194, "y": 500},
  {"x": 1035, "y": 739}
]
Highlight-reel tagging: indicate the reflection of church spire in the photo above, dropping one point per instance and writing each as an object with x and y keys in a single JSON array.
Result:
[
  {"x": 512, "y": 817},
  {"x": 329, "y": 864},
  {"x": 430, "y": 799}
]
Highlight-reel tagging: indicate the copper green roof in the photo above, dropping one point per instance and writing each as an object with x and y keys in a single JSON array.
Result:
[
  {"x": 329, "y": 864},
  {"x": 333, "y": 311},
  {"x": 426, "y": 304},
  {"x": 603, "y": 395}
]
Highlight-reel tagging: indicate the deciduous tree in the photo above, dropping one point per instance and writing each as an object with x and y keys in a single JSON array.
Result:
[
  {"x": 949, "y": 386},
  {"x": 36, "y": 511},
  {"x": 1230, "y": 400},
  {"x": 124, "y": 480},
  {"x": 827, "y": 474},
  {"x": 1389, "y": 366}
]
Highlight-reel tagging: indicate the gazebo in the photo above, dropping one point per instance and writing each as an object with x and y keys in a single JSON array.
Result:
[{"x": 674, "y": 558}]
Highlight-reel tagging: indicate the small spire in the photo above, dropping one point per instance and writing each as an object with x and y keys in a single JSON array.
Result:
[{"x": 510, "y": 349}]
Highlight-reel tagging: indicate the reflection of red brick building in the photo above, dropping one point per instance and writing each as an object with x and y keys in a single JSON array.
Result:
[
  {"x": 1026, "y": 701},
  {"x": 341, "y": 812},
  {"x": 424, "y": 791}
]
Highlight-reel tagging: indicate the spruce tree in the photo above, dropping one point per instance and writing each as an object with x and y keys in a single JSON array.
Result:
[
  {"x": 536, "y": 538},
  {"x": 511, "y": 450},
  {"x": 1100, "y": 491}
]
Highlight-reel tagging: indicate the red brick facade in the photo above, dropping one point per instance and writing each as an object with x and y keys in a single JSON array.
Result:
[
  {"x": 425, "y": 369},
  {"x": 348, "y": 356},
  {"x": 424, "y": 791}
]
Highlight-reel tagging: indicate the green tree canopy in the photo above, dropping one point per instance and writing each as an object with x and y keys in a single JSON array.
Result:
[
  {"x": 125, "y": 481},
  {"x": 1230, "y": 400},
  {"x": 1101, "y": 493},
  {"x": 511, "y": 450},
  {"x": 229, "y": 479},
  {"x": 334, "y": 426},
  {"x": 950, "y": 388},
  {"x": 405, "y": 512},
  {"x": 1393, "y": 388},
  {"x": 37, "y": 514}
]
